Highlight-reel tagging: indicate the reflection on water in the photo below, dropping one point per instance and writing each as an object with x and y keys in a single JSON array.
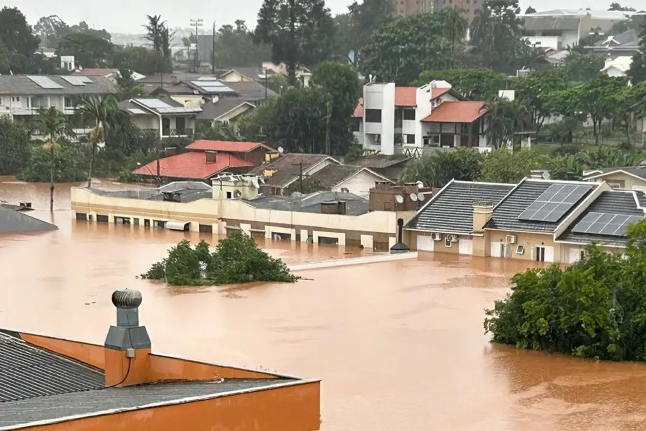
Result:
[{"x": 399, "y": 345}]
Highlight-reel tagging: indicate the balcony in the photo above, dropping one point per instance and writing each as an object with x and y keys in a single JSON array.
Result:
[{"x": 172, "y": 133}]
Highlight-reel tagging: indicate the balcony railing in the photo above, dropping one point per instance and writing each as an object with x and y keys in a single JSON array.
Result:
[{"x": 172, "y": 133}]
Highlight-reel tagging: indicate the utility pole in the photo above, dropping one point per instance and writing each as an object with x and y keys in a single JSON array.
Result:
[
  {"x": 266, "y": 83},
  {"x": 197, "y": 22},
  {"x": 328, "y": 150},
  {"x": 300, "y": 175},
  {"x": 213, "y": 51}
]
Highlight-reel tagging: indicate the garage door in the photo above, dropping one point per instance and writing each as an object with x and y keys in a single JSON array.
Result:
[
  {"x": 496, "y": 249},
  {"x": 425, "y": 243},
  {"x": 466, "y": 246}
]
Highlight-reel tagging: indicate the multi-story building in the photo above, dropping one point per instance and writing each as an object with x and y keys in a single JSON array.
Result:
[
  {"x": 469, "y": 7},
  {"x": 412, "y": 7},
  {"x": 22, "y": 96},
  {"x": 408, "y": 119}
]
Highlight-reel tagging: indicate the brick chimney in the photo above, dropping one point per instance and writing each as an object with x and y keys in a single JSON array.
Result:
[
  {"x": 482, "y": 212},
  {"x": 127, "y": 346}
]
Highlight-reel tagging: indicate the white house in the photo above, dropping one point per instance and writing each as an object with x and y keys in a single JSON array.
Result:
[
  {"x": 407, "y": 119},
  {"x": 617, "y": 67},
  {"x": 167, "y": 117},
  {"x": 349, "y": 179}
]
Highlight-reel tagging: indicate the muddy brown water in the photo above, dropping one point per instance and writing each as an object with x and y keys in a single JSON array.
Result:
[{"x": 398, "y": 345}]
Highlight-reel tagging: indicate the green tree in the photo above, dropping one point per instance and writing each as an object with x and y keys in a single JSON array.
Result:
[
  {"x": 217, "y": 131},
  {"x": 497, "y": 33},
  {"x": 341, "y": 83},
  {"x": 236, "y": 47},
  {"x": 400, "y": 50},
  {"x": 5, "y": 59},
  {"x": 129, "y": 87},
  {"x": 67, "y": 164},
  {"x": 98, "y": 109},
  {"x": 440, "y": 167},
  {"x": 88, "y": 50},
  {"x": 14, "y": 146},
  {"x": 54, "y": 125},
  {"x": 50, "y": 30},
  {"x": 141, "y": 60},
  {"x": 582, "y": 67},
  {"x": 637, "y": 72},
  {"x": 505, "y": 119},
  {"x": 454, "y": 28},
  {"x": 300, "y": 32},
  {"x": 530, "y": 10},
  {"x": 618, "y": 7},
  {"x": 503, "y": 166},
  {"x": 16, "y": 35},
  {"x": 355, "y": 28},
  {"x": 535, "y": 91},
  {"x": 476, "y": 84}
]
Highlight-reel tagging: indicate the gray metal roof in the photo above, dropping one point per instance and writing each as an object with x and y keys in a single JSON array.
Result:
[
  {"x": 288, "y": 167},
  {"x": 251, "y": 91},
  {"x": 538, "y": 23},
  {"x": 12, "y": 221},
  {"x": 355, "y": 205},
  {"x": 29, "y": 372},
  {"x": 505, "y": 214},
  {"x": 23, "y": 85},
  {"x": 213, "y": 111},
  {"x": 381, "y": 161},
  {"x": 451, "y": 210},
  {"x": 185, "y": 194},
  {"x": 613, "y": 202}
]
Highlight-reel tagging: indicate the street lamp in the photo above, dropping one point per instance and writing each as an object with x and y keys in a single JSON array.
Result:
[{"x": 198, "y": 22}]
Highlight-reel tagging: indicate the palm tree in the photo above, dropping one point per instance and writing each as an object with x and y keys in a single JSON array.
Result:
[
  {"x": 98, "y": 108},
  {"x": 454, "y": 27},
  {"x": 54, "y": 124}
]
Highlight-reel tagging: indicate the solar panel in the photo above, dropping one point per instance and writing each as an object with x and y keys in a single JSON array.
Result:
[
  {"x": 45, "y": 82},
  {"x": 605, "y": 223},
  {"x": 554, "y": 202},
  {"x": 85, "y": 80},
  {"x": 74, "y": 80},
  {"x": 153, "y": 103},
  {"x": 212, "y": 86}
]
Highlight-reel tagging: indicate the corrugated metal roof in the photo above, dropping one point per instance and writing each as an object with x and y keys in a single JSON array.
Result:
[
  {"x": 27, "y": 372},
  {"x": 451, "y": 210},
  {"x": 612, "y": 202},
  {"x": 505, "y": 215}
]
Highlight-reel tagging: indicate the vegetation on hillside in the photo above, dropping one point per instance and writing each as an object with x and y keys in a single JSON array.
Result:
[
  {"x": 592, "y": 309},
  {"x": 236, "y": 259}
]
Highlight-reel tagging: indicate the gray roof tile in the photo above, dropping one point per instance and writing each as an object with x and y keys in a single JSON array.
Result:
[
  {"x": 287, "y": 168},
  {"x": 22, "y": 85},
  {"x": 451, "y": 210},
  {"x": 506, "y": 213}
]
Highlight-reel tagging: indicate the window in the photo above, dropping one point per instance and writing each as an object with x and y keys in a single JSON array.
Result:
[
  {"x": 520, "y": 249},
  {"x": 410, "y": 139},
  {"x": 409, "y": 114},
  {"x": 68, "y": 102},
  {"x": 180, "y": 125},
  {"x": 582, "y": 254},
  {"x": 539, "y": 256},
  {"x": 373, "y": 115},
  {"x": 15, "y": 98},
  {"x": 447, "y": 242}
]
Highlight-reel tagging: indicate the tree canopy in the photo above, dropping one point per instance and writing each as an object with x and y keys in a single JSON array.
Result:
[
  {"x": 474, "y": 83},
  {"x": 236, "y": 47},
  {"x": 17, "y": 37},
  {"x": 637, "y": 72}
]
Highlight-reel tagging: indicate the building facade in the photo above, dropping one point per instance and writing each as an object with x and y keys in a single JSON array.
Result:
[{"x": 469, "y": 7}]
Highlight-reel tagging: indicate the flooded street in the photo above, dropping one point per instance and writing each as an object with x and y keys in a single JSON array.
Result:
[{"x": 398, "y": 345}]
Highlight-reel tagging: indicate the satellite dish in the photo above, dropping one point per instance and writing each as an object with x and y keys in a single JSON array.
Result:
[
  {"x": 545, "y": 175},
  {"x": 413, "y": 197},
  {"x": 421, "y": 197},
  {"x": 281, "y": 150},
  {"x": 420, "y": 184},
  {"x": 399, "y": 199},
  {"x": 254, "y": 181}
]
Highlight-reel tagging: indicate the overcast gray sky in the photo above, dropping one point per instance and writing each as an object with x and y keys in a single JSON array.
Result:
[{"x": 127, "y": 16}]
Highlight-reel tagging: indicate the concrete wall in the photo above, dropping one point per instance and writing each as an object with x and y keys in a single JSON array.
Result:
[
  {"x": 381, "y": 96},
  {"x": 360, "y": 184},
  {"x": 622, "y": 180}
]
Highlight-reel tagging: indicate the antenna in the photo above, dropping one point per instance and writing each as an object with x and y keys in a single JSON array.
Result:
[
  {"x": 413, "y": 197},
  {"x": 281, "y": 150},
  {"x": 421, "y": 197},
  {"x": 399, "y": 199}
]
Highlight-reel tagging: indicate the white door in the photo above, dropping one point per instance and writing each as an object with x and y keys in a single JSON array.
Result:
[
  {"x": 496, "y": 249},
  {"x": 574, "y": 255},
  {"x": 549, "y": 254},
  {"x": 466, "y": 246},
  {"x": 425, "y": 243}
]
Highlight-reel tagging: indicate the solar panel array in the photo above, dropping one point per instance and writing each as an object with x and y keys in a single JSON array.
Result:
[
  {"x": 212, "y": 86},
  {"x": 45, "y": 82},
  {"x": 74, "y": 80},
  {"x": 153, "y": 103},
  {"x": 554, "y": 202},
  {"x": 605, "y": 223}
]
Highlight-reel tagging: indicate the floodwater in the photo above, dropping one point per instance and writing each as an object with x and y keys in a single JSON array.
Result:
[{"x": 398, "y": 345}]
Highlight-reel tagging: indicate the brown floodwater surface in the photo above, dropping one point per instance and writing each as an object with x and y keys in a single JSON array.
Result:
[{"x": 398, "y": 345}]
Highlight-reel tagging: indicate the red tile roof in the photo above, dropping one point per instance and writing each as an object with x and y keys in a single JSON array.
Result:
[
  {"x": 406, "y": 96},
  {"x": 226, "y": 146},
  {"x": 191, "y": 165},
  {"x": 457, "y": 112},
  {"x": 358, "y": 111}
]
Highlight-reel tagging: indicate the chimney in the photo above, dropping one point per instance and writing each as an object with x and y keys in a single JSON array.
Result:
[
  {"x": 482, "y": 212},
  {"x": 400, "y": 247},
  {"x": 211, "y": 157},
  {"x": 127, "y": 346}
]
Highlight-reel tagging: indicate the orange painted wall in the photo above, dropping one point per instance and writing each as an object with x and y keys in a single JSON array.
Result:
[
  {"x": 291, "y": 408},
  {"x": 92, "y": 354},
  {"x": 166, "y": 368}
]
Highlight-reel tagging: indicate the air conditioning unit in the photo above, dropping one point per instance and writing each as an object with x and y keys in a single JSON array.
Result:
[
  {"x": 510, "y": 239},
  {"x": 437, "y": 236},
  {"x": 452, "y": 238}
]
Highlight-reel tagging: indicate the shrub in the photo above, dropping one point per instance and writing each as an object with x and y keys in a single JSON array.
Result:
[{"x": 69, "y": 164}]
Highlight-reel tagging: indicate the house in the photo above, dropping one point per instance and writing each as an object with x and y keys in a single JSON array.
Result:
[
  {"x": 303, "y": 74},
  {"x": 624, "y": 44},
  {"x": 14, "y": 221},
  {"x": 111, "y": 74},
  {"x": 391, "y": 167},
  {"x": 21, "y": 96},
  {"x": 539, "y": 220},
  {"x": 617, "y": 67},
  {"x": 61, "y": 384},
  {"x": 566, "y": 28},
  {"x": 628, "y": 178},
  {"x": 252, "y": 152},
  {"x": 228, "y": 110},
  {"x": 288, "y": 168},
  {"x": 349, "y": 179},
  {"x": 407, "y": 119},
  {"x": 167, "y": 118},
  {"x": 242, "y": 74}
]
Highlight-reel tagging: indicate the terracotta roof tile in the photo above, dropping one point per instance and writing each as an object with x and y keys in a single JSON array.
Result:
[
  {"x": 457, "y": 112},
  {"x": 226, "y": 146},
  {"x": 406, "y": 96},
  {"x": 191, "y": 165},
  {"x": 358, "y": 111}
]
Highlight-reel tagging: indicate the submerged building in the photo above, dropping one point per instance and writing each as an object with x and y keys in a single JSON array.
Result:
[
  {"x": 14, "y": 221},
  {"x": 55, "y": 384}
]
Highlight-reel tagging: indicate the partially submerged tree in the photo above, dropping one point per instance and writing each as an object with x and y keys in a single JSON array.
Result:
[{"x": 236, "y": 259}]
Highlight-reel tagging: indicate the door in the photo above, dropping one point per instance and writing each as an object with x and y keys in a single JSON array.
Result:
[
  {"x": 425, "y": 243},
  {"x": 165, "y": 127},
  {"x": 539, "y": 254},
  {"x": 497, "y": 249},
  {"x": 549, "y": 254},
  {"x": 466, "y": 246},
  {"x": 180, "y": 125}
]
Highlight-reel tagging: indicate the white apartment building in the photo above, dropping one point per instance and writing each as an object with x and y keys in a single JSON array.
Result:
[
  {"x": 21, "y": 96},
  {"x": 407, "y": 119}
]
